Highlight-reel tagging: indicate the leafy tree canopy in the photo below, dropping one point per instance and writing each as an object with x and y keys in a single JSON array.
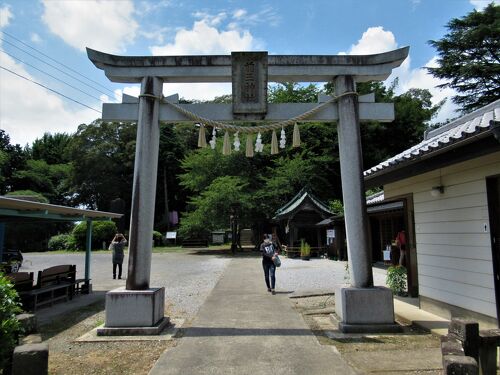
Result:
[{"x": 469, "y": 58}]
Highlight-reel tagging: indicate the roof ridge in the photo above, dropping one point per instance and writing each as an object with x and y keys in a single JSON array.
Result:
[{"x": 461, "y": 120}]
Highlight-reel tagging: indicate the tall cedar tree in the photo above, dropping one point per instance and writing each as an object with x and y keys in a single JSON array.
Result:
[{"x": 469, "y": 58}]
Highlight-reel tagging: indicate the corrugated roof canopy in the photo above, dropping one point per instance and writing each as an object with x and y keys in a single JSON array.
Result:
[{"x": 12, "y": 208}]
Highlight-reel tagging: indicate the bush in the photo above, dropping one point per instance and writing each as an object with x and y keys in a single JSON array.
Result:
[
  {"x": 101, "y": 231},
  {"x": 62, "y": 242},
  {"x": 396, "y": 279},
  {"x": 10, "y": 328},
  {"x": 158, "y": 238}
]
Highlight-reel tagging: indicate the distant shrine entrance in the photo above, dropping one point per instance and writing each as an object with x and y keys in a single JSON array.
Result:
[{"x": 140, "y": 306}]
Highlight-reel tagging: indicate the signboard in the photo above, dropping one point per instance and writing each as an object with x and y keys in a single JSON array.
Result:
[
  {"x": 171, "y": 235},
  {"x": 249, "y": 76},
  {"x": 330, "y": 233}
]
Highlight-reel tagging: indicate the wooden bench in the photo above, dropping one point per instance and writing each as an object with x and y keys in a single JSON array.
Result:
[
  {"x": 22, "y": 281},
  {"x": 54, "y": 284},
  {"x": 195, "y": 242}
]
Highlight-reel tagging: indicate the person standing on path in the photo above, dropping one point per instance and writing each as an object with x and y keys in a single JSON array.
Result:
[
  {"x": 401, "y": 243},
  {"x": 117, "y": 245},
  {"x": 269, "y": 250}
]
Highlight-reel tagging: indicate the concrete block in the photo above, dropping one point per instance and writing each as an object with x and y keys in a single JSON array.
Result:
[
  {"x": 28, "y": 322},
  {"x": 364, "y": 305},
  {"x": 134, "y": 308},
  {"x": 459, "y": 365},
  {"x": 467, "y": 331},
  {"x": 451, "y": 346},
  {"x": 31, "y": 359},
  {"x": 34, "y": 338}
]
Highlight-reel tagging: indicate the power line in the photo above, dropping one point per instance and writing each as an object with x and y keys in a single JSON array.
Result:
[
  {"x": 50, "y": 75},
  {"x": 58, "y": 62},
  {"x": 55, "y": 67},
  {"x": 48, "y": 88}
]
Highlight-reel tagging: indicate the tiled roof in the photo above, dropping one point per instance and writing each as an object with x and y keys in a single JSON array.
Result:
[
  {"x": 296, "y": 201},
  {"x": 456, "y": 131},
  {"x": 375, "y": 198}
]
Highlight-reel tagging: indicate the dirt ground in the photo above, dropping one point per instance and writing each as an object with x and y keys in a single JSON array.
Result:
[
  {"x": 411, "y": 352},
  {"x": 373, "y": 353},
  {"x": 83, "y": 358}
]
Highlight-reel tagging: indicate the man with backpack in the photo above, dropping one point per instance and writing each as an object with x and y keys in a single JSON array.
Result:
[{"x": 269, "y": 251}]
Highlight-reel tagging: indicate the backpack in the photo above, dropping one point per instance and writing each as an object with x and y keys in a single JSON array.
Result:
[{"x": 269, "y": 250}]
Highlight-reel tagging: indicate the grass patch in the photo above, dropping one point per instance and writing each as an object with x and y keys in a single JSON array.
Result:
[{"x": 156, "y": 250}]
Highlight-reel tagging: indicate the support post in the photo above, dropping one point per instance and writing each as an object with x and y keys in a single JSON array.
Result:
[
  {"x": 360, "y": 306},
  {"x": 88, "y": 250},
  {"x": 353, "y": 192},
  {"x": 144, "y": 185}
]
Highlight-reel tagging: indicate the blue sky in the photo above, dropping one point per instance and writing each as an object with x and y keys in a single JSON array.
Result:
[{"x": 61, "y": 29}]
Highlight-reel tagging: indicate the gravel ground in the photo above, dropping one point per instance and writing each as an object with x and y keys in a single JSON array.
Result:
[
  {"x": 316, "y": 274},
  {"x": 188, "y": 278}
]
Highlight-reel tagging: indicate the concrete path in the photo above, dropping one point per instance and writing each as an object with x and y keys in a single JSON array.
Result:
[{"x": 243, "y": 329}]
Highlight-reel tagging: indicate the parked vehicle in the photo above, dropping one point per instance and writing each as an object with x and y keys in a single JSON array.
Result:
[{"x": 12, "y": 260}]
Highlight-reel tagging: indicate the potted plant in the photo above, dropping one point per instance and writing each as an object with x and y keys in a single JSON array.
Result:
[
  {"x": 396, "y": 280},
  {"x": 305, "y": 250}
]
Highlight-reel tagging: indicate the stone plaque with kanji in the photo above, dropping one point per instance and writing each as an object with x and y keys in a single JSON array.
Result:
[{"x": 249, "y": 70}]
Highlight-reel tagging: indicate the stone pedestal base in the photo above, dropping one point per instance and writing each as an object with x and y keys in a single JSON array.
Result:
[
  {"x": 367, "y": 310},
  {"x": 134, "y": 312}
]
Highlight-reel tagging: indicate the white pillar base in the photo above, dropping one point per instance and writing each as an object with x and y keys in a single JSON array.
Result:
[
  {"x": 365, "y": 309},
  {"x": 134, "y": 312}
]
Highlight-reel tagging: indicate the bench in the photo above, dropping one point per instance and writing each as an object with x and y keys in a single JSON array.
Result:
[
  {"x": 195, "y": 242},
  {"x": 54, "y": 284},
  {"x": 22, "y": 281}
]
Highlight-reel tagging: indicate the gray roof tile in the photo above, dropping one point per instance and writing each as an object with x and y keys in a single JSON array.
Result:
[{"x": 455, "y": 131}]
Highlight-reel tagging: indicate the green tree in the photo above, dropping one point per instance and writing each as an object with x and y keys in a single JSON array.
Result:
[
  {"x": 102, "y": 155},
  {"x": 169, "y": 195},
  {"x": 211, "y": 208},
  {"x": 50, "y": 180},
  {"x": 52, "y": 148},
  {"x": 469, "y": 58},
  {"x": 13, "y": 158}
]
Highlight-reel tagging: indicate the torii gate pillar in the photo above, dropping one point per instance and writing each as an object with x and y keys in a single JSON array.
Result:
[
  {"x": 360, "y": 306},
  {"x": 139, "y": 309}
]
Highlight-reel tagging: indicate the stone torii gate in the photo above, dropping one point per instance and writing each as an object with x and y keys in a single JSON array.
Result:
[{"x": 361, "y": 306}]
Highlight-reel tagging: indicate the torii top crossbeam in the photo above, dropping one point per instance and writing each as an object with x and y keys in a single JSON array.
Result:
[{"x": 217, "y": 68}]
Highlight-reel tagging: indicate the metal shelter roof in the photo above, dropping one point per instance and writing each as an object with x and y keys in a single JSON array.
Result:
[
  {"x": 302, "y": 198},
  {"x": 12, "y": 208}
]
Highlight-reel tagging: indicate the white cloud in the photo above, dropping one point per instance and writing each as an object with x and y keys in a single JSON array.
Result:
[
  {"x": 146, "y": 7},
  {"x": 35, "y": 38},
  {"x": 374, "y": 40},
  {"x": 108, "y": 26},
  {"x": 205, "y": 38},
  {"x": 420, "y": 78},
  {"x": 157, "y": 34},
  {"x": 27, "y": 110},
  {"x": 5, "y": 16},
  {"x": 211, "y": 19},
  {"x": 377, "y": 40},
  {"x": 481, "y": 4},
  {"x": 239, "y": 13}
]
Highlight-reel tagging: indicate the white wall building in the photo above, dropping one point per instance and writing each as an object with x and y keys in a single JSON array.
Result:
[{"x": 450, "y": 186}]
